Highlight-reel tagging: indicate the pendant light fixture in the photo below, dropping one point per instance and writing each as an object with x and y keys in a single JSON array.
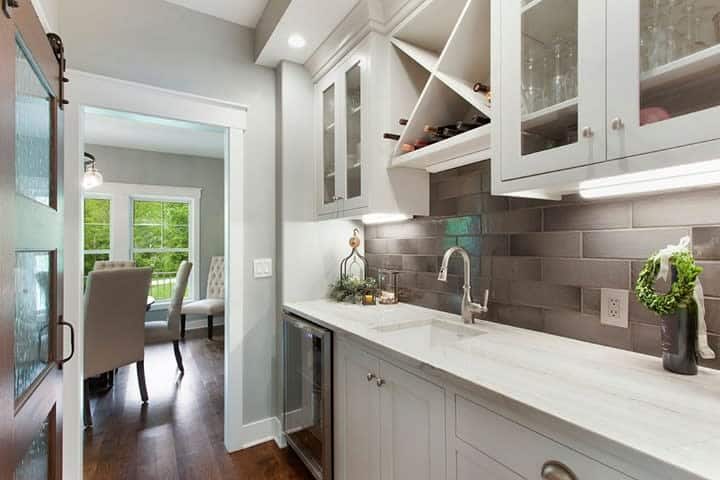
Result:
[{"x": 92, "y": 177}]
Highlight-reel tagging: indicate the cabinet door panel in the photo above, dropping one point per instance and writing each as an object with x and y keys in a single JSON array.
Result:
[
  {"x": 356, "y": 416},
  {"x": 412, "y": 427},
  {"x": 471, "y": 464},
  {"x": 553, "y": 86},
  {"x": 663, "y": 72},
  {"x": 327, "y": 161}
]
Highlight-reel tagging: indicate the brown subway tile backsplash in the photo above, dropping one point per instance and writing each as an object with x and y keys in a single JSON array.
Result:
[
  {"x": 557, "y": 244},
  {"x": 698, "y": 207},
  {"x": 706, "y": 243},
  {"x": 629, "y": 243},
  {"x": 586, "y": 273},
  {"x": 546, "y": 262},
  {"x": 588, "y": 217}
]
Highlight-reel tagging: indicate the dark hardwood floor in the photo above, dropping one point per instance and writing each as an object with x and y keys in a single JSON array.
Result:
[{"x": 179, "y": 433}]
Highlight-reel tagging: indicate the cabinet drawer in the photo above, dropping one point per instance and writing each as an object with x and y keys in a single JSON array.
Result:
[{"x": 518, "y": 448}]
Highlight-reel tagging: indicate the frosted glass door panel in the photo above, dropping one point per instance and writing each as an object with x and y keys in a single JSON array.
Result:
[
  {"x": 33, "y": 288},
  {"x": 32, "y": 130},
  {"x": 354, "y": 131},
  {"x": 329, "y": 161},
  {"x": 35, "y": 464},
  {"x": 549, "y": 86},
  {"x": 679, "y": 58}
]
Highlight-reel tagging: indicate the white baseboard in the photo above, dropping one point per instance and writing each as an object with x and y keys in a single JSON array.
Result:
[{"x": 256, "y": 433}]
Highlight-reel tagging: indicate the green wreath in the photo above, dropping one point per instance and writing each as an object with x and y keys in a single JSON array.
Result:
[{"x": 681, "y": 291}]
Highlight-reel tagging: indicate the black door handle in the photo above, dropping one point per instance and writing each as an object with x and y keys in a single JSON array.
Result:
[{"x": 72, "y": 342}]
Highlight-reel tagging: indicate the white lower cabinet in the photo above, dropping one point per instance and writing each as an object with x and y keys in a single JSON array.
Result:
[
  {"x": 392, "y": 424},
  {"x": 471, "y": 464},
  {"x": 521, "y": 450},
  {"x": 389, "y": 424}
]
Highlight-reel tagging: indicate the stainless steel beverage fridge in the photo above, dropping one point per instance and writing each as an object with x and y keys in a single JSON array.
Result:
[{"x": 307, "y": 397}]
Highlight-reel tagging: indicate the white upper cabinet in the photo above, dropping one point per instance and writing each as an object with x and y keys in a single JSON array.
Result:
[
  {"x": 351, "y": 115},
  {"x": 596, "y": 89},
  {"x": 342, "y": 146},
  {"x": 663, "y": 74},
  {"x": 553, "y": 73}
]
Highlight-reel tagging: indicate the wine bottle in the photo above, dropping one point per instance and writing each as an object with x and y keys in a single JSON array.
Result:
[
  {"x": 443, "y": 132},
  {"x": 403, "y": 121},
  {"x": 391, "y": 136},
  {"x": 481, "y": 88}
]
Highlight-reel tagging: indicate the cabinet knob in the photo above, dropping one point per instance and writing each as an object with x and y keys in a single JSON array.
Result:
[
  {"x": 337, "y": 197},
  {"x": 370, "y": 376},
  {"x": 587, "y": 132},
  {"x": 617, "y": 123},
  {"x": 553, "y": 470},
  {"x": 380, "y": 382}
]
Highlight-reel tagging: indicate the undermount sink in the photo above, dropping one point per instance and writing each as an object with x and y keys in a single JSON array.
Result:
[{"x": 429, "y": 332}]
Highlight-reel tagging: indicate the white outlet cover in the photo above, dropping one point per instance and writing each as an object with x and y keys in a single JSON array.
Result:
[
  {"x": 262, "y": 267},
  {"x": 614, "y": 307}
]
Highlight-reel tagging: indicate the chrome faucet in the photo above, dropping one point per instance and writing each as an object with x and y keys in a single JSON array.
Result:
[{"x": 469, "y": 309}]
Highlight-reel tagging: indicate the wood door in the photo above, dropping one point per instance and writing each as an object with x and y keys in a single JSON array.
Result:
[
  {"x": 412, "y": 427},
  {"x": 356, "y": 414},
  {"x": 30, "y": 247},
  {"x": 552, "y": 92}
]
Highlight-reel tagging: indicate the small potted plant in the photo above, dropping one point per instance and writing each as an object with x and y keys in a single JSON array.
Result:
[{"x": 352, "y": 289}]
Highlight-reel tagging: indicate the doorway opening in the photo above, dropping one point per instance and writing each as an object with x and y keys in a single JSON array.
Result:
[{"x": 153, "y": 202}]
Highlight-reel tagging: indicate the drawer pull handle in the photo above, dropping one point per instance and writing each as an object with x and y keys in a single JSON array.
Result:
[{"x": 553, "y": 470}]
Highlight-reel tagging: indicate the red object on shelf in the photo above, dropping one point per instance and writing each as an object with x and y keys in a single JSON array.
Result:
[{"x": 653, "y": 114}]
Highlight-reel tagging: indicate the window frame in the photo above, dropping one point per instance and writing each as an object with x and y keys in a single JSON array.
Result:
[
  {"x": 121, "y": 215},
  {"x": 92, "y": 195},
  {"x": 192, "y": 237}
]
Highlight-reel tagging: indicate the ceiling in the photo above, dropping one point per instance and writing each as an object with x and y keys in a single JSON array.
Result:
[
  {"x": 140, "y": 132},
  {"x": 314, "y": 20},
  {"x": 242, "y": 12}
]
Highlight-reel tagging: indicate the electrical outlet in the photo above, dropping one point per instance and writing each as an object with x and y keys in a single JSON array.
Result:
[{"x": 614, "y": 307}]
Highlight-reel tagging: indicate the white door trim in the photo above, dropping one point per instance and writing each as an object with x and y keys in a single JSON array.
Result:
[{"x": 89, "y": 90}]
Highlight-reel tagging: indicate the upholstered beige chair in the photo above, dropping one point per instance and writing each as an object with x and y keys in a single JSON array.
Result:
[
  {"x": 114, "y": 324},
  {"x": 214, "y": 302},
  {"x": 168, "y": 330},
  {"x": 113, "y": 264}
]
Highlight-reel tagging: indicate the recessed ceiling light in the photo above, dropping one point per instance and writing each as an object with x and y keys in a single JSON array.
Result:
[{"x": 296, "y": 41}]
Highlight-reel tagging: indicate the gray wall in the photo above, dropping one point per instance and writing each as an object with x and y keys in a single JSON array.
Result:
[
  {"x": 123, "y": 165},
  {"x": 545, "y": 262},
  {"x": 161, "y": 44}
]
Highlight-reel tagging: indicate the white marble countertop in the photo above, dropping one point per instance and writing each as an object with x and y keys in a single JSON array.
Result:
[{"x": 622, "y": 396}]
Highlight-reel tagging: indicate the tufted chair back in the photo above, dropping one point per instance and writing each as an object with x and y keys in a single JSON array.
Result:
[
  {"x": 216, "y": 278},
  {"x": 113, "y": 264}
]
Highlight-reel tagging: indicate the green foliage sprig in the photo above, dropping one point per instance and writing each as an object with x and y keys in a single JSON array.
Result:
[
  {"x": 350, "y": 287},
  {"x": 681, "y": 291}
]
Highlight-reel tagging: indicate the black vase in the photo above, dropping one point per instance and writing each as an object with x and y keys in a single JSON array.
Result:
[{"x": 679, "y": 337}]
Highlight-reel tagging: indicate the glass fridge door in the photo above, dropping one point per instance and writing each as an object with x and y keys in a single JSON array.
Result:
[{"x": 307, "y": 405}]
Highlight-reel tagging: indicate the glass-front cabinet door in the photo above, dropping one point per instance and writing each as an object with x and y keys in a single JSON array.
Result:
[
  {"x": 553, "y": 85},
  {"x": 663, "y": 74},
  {"x": 340, "y": 96},
  {"x": 328, "y": 181}
]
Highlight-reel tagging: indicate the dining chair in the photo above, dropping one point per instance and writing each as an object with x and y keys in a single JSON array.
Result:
[
  {"x": 112, "y": 264},
  {"x": 168, "y": 330},
  {"x": 214, "y": 302},
  {"x": 114, "y": 325}
]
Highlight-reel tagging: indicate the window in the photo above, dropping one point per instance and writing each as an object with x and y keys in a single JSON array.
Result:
[
  {"x": 96, "y": 221},
  {"x": 161, "y": 240}
]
